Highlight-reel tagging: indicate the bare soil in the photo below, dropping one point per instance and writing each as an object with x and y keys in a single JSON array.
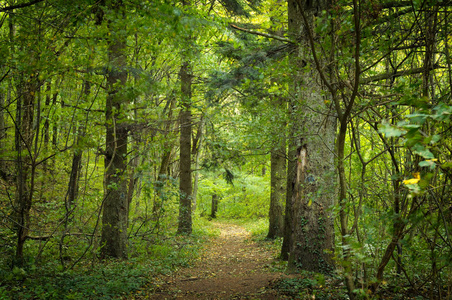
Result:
[{"x": 231, "y": 266}]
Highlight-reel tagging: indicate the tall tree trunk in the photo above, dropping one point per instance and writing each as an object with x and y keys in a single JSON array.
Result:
[
  {"x": 185, "y": 183},
  {"x": 50, "y": 102},
  {"x": 46, "y": 127},
  {"x": 278, "y": 172},
  {"x": 196, "y": 150},
  {"x": 75, "y": 170},
  {"x": 115, "y": 206},
  {"x": 2, "y": 129},
  {"x": 73, "y": 184},
  {"x": 73, "y": 187},
  {"x": 314, "y": 179},
  {"x": 24, "y": 143},
  {"x": 294, "y": 24}
]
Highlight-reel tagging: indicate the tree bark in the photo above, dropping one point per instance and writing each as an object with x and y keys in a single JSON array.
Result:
[
  {"x": 278, "y": 170},
  {"x": 2, "y": 129},
  {"x": 75, "y": 171},
  {"x": 214, "y": 208},
  {"x": 314, "y": 179},
  {"x": 197, "y": 146},
  {"x": 185, "y": 181},
  {"x": 294, "y": 25},
  {"x": 115, "y": 206},
  {"x": 24, "y": 143}
]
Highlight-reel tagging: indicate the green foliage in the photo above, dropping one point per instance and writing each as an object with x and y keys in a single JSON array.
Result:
[
  {"x": 108, "y": 281},
  {"x": 310, "y": 285},
  {"x": 100, "y": 280},
  {"x": 247, "y": 198}
]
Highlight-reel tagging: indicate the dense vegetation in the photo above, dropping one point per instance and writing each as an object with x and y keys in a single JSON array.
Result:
[{"x": 122, "y": 121}]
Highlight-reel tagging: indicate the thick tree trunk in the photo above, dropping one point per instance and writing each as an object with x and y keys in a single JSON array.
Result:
[
  {"x": 115, "y": 206},
  {"x": 314, "y": 179},
  {"x": 185, "y": 183}
]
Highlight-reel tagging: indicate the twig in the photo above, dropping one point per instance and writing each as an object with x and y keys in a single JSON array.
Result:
[{"x": 267, "y": 35}]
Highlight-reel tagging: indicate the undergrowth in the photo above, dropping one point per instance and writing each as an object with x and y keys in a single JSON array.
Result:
[
  {"x": 309, "y": 285},
  {"x": 107, "y": 279}
]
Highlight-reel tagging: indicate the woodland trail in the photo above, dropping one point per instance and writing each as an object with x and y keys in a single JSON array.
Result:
[{"x": 230, "y": 267}]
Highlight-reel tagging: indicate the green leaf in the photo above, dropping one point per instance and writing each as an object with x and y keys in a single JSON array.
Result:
[
  {"x": 422, "y": 151},
  {"x": 389, "y": 130},
  {"x": 435, "y": 139},
  {"x": 418, "y": 117},
  {"x": 428, "y": 163}
]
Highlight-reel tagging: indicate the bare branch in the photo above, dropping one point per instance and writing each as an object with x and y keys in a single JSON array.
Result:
[
  {"x": 394, "y": 75},
  {"x": 267, "y": 35}
]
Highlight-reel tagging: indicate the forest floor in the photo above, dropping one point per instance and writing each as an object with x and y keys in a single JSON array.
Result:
[{"x": 231, "y": 266}]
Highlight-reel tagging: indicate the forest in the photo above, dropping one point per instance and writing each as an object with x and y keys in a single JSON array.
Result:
[{"x": 130, "y": 128}]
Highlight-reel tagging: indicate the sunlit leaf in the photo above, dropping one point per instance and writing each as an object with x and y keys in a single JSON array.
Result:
[
  {"x": 421, "y": 150},
  {"x": 389, "y": 130},
  {"x": 414, "y": 180}
]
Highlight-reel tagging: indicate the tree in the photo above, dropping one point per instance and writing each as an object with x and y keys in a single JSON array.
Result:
[
  {"x": 185, "y": 180},
  {"x": 26, "y": 138},
  {"x": 278, "y": 172},
  {"x": 312, "y": 168},
  {"x": 277, "y": 177},
  {"x": 115, "y": 204}
]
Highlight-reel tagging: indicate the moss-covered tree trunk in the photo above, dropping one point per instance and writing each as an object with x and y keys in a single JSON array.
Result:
[{"x": 314, "y": 179}]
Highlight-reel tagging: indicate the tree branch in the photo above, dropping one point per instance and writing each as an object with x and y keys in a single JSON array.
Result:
[
  {"x": 394, "y": 75},
  {"x": 267, "y": 35},
  {"x": 393, "y": 4},
  {"x": 4, "y": 9},
  {"x": 4, "y": 76}
]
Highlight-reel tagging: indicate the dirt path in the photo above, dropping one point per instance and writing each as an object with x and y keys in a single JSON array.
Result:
[{"x": 231, "y": 267}]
